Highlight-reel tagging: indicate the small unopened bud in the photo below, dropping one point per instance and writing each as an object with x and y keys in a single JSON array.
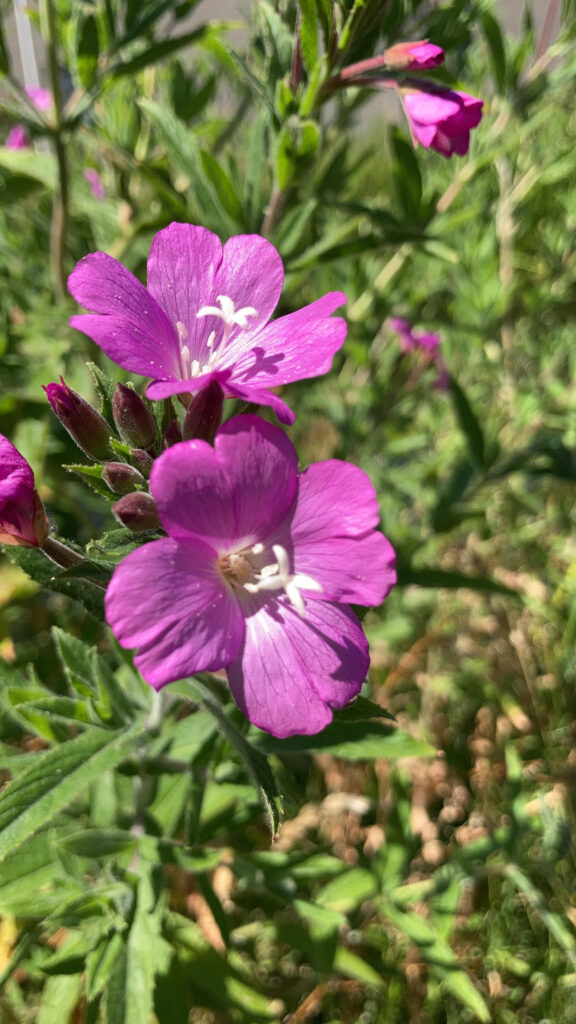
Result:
[
  {"x": 172, "y": 434},
  {"x": 137, "y": 512},
  {"x": 414, "y": 55},
  {"x": 87, "y": 428},
  {"x": 204, "y": 414},
  {"x": 135, "y": 422},
  {"x": 142, "y": 460},
  {"x": 121, "y": 478}
]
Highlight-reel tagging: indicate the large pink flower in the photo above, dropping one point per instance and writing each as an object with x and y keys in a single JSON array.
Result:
[
  {"x": 255, "y": 575},
  {"x": 23, "y": 519},
  {"x": 442, "y": 119},
  {"x": 204, "y": 316}
]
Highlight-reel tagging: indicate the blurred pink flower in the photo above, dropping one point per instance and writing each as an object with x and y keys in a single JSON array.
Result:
[
  {"x": 426, "y": 341},
  {"x": 95, "y": 181},
  {"x": 413, "y": 56},
  {"x": 18, "y": 137},
  {"x": 411, "y": 339},
  {"x": 441, "y": 119}
]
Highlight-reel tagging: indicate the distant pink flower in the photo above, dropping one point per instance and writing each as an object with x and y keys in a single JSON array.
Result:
[
  {"x": 255, "y": 575},
  {"x": 442, "y": 119},
  {"x": 411, "y": 339},
  {"x": 95, "y": 181},
  {"x": 41, "y": 98},
  {"x": 415, "y": 55},
  {"x": 428, "y": 342},
  {"x": 204, "y": 316},
  {"x": 18, "y": 137},
  {"x": 23, "y": 519}
]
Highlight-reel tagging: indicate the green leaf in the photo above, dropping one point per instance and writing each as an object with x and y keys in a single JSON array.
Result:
[
  {"x": 105, "y": 388},
  {"x": 352, "y": 966},
  {"x": 92, "y": 475},
  {"x": 435, "y": 578},
  {"x": 256, "y": 763},
  {"x": 52, "y": 782},
  {"x": 25, "y": 875},
  {"x": 100, "y": 963},
  {"x": 129, "y": 995},
  {"x": 348, "y": 891},
  {"x": 493, "y": 35},
  {"x": 41, "y": 569},
  {"x": 223, "y": 188},
  {"x": 159, "y": 51},
  {"x": 469, "y": 423},
  {"x": 350, "y": 740},
  {"x": 60, "y": 996},
  {"x": 29, "y": 164},
  {"x": 309, "y": 32},
  {"x": 87, "y": 50}
]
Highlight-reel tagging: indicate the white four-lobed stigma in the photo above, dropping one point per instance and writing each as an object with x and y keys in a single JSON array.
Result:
[{"x": 277, "y": 576}]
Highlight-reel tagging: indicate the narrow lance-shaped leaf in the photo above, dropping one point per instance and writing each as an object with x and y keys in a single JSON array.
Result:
[{"x": 49, "y": 784}]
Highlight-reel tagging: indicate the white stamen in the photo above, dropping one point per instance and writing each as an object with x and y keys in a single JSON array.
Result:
[
  {"x": 278, "y": 577},
  {"x": 257, "y": 549},
  {"x": 231, "y": 317}
]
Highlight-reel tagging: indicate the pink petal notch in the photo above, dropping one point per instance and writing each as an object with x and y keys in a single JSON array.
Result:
[
  {"x": 205, "y": 317},
  {"x": 255, "y": 576}
]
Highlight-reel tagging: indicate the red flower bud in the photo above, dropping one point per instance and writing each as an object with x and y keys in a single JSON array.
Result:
[
  {"x": 87, "y": 428},
  {"x": 135, "y": 422},
  {"x": 204, "y": 414},
  {"x": 121, "y": 478},
  {"x": 137, "y": 512}
]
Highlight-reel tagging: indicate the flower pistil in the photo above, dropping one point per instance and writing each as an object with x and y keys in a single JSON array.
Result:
[{"x": 239, "y": 569}]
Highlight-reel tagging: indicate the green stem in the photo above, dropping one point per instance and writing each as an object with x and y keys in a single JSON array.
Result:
[
  {"x": 60, "y": 554},
  {"x": 59, "y": 226}
]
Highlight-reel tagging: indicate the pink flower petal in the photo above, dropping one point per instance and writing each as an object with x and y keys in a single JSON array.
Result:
[
  {"x": 126, "y": 322},
  {"x": 169, "y": 600},
  {"x": 296, "y": 346},
  {"x": 233, "y": 495},
  {"x": 291, "y": 672}
]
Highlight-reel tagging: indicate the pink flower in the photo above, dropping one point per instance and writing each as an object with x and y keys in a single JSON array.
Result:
[
  {"x": 414, "y": 56},
  {"x": 204, "y": 317},
  {"x": 95, "y": 181},
  {"x": 411, "y": 339},
  {"x": 17, "y": 137},
  {"x": 23, "y": 519},
  {"x": 255, "y": 575},
  {"x": 442, "y": 119}
]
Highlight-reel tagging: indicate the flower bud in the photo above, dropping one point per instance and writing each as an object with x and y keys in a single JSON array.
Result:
[
  {"x": 135, "y": 422},
  {"x": 87, "y": 428},
  {"x": 415, "y": 55},
  {"x": 121, "y": 478},
  {"x": 137, "y": 512},
  {"x": 204, "y": 414},
  {"x": 23, "y": 520},
  {"x": 172, "y": 434},
  {"x": 142, "y": 460}
]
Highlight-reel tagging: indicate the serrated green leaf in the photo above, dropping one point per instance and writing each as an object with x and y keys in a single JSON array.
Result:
[
  {"x": 41, "y": 569},
  {"x": 100, "y": 963},
  {"x": 105, "y": 388},
  {"x": 50, "y": 784}
]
